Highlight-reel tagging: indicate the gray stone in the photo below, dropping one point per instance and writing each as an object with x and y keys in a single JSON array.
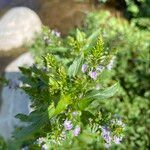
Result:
[
  {"x": 18, "y": 27},
  {"x": 14, "y": 101}
]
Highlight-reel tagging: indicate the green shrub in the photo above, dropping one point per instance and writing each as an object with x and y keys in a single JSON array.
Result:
[
  {"x": 3, "y": 145},
  {"x": 69, "y": 105},
  {"x": 132, "y": 70},
  {"x": 71, "y": 88}
]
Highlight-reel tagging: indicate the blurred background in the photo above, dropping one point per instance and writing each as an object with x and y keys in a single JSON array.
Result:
[{"x": 67, "y": 14}]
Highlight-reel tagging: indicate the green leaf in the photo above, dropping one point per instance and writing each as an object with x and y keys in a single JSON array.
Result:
[
  {"x": 25, "y": 71},
  {"x": 28, "y": 131},
  {"x": 62, "y": 104},
  {"x": 91, "y": 41},
  {"x": 103, "y": 94},
  {"x": 22, "y": 117},
  {"x": 40, "y": 120},
  {"x": 75, "y": 67},
  {"x": 80, "y": 36},
  {"x": 98, "y": 95}
]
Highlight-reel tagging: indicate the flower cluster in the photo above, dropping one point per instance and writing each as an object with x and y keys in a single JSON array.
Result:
[
  {"x": 111, "y": 64},
  {"x": 47, "y": 40},
  {"x": 110, "y": 136},
  {"x": 118, "y": 122},
  {"x": 68, "y": 126},
  {"x": 106, "y": 136},
  {"x": 93, "y": 73},
  {"x": 76, "y": 131},
  {"x": 56, "y": 33}
]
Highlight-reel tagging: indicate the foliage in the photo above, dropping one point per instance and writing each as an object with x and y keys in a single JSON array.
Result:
[
  {"x": 76, "y": 101},
  {"x": 68, "y": 103},
  {"x": 2, "y": 144},
  {"x": 138, "y": 8},
  {"x": 134, "y": 8},
  {"x": 132, "y": 70}
]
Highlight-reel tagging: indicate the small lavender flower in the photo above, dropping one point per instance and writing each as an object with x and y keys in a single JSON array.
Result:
[
  {"x": 47, "y": 40},
  {"x": 100, "y": 68},
  {"x": 68, "y": 125},
  {"x": 106, "y": 135},
  {"x": 55, "y": 32},
  {"x": 120, "y": 123},
  {"x": 84, "y": 68},
  {"x": 40, "y": 140},
  {"x": 74, "y": 113},
  {"x": 76, "y": 131},
  {"x": 44, "y": 147},
  {"x": 111, "y": 63},
  {"x": 93, "y": 74},
  {"x": 45, "y": 69},
  {"x": 117, "y": 140}
]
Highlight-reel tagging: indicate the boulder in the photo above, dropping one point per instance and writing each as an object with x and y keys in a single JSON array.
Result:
[
  {"x": 18, "y": 27},
  {"x": 14, "y": 100}
]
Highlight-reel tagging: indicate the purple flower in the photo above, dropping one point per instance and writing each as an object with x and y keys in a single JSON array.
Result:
[
  {"x": 68, "y": 125},
  {"x": 76, "y": 131},
  {"x": 47, "y": 40},
  {"x": 45, "y": 69},
  {"x": 106, "y": 135},
  {"x": 100, "y": 68},
  {"x": 55, "y": 32},
  {"x": 84, "y": 68},
  {"x": 111, "y": 63},
  {"x": 93, "y": 74},
  {"x": 44, "y": 147},
  {"x": 117, "y": 140}
]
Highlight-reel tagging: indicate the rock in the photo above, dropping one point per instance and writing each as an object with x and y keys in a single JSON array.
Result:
[
  {"x": 18, "y": 27},
  {"x": 14, "y": 100},
  {"x": 32, "y": 4}
]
